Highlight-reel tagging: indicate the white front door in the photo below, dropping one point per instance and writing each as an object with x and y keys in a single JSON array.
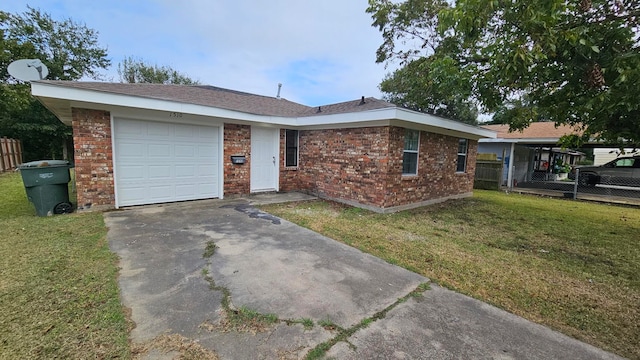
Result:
[{"x": 264, "y": 159}]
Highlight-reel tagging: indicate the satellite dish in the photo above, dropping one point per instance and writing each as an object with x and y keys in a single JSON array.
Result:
[{"x": 28, "y": 69}]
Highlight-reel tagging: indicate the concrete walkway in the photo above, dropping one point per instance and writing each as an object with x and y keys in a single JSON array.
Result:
[{"x": 175, "y": 282}]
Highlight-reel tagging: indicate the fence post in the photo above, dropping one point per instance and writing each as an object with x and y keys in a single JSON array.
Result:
[
  {"x": 20, "y": 152},
  {"x": 575, "y": 184},
  {"x": 14, "y": 158},
  {"x": 2, "y": 164}
]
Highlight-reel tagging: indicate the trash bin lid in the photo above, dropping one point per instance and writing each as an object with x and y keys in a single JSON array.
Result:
[{"x": 44, "y": 163}]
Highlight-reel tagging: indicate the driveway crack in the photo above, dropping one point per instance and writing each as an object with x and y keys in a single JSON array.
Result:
[{"x": 344, "y": 334}]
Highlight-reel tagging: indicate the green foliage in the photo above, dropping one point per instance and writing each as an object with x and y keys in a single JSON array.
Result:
[
  {"x": 575, "y": 63},
  {"x": 210, "y": 249},
  {"x": 415, "y": 87},
  {"x": 68, "y": 49},
  {"x": 137, "y": 71}
]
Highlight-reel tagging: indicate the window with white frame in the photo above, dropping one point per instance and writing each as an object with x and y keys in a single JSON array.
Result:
[
  {"x": 291, "y": 144},
  {"x": 463, "y": 146},
  {"x": 410, "y": 154}
]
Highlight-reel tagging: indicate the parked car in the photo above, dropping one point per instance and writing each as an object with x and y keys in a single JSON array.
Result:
[{"x": 623, "y": 171}]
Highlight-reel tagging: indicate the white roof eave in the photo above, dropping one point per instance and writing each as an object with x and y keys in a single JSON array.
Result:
[{"x": 59, "y": 99}]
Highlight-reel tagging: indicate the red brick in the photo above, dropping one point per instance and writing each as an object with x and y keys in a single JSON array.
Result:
[{"x": 92, "y": 154}]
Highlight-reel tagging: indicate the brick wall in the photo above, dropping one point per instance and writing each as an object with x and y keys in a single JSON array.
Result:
[
  {"x": 93, "y": 159},
  {"x": 364, "y": 166},
  {"x": 347, "y": 164},
  {"x": 437, "y": 177},
  {"x": 293, "y": 178},
  {"x": 237, "y": 141}
]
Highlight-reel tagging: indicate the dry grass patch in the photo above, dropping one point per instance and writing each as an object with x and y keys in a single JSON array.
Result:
[
  {"x": 570, "y": 265},
  {"x": 183, "y": 348}
]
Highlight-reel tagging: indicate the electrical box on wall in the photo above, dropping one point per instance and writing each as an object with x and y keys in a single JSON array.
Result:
[{"x": 238, "y": 159}]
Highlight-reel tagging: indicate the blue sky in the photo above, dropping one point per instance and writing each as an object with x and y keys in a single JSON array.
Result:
[{"x": 321, "y": 51}]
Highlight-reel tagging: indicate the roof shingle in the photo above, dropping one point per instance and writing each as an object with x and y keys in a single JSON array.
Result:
[
  {"x": 223, "y": 98},
  {"x": 536, "y": 130}
]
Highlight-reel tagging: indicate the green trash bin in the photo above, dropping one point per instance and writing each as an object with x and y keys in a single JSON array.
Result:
[{"x": 45, "y": 182}]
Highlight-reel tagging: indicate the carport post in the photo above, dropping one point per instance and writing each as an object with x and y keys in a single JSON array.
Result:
[
  {"x": 511, "y": 166},
  {"x": 575, "y": 184}
]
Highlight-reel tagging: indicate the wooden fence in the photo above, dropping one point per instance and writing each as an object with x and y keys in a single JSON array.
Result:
[
  {"x": 488, "y": 175},
  {"x": 10, "y": 154}
]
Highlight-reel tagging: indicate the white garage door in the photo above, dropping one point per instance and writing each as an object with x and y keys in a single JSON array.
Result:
[{"x": 163, "y": 162}]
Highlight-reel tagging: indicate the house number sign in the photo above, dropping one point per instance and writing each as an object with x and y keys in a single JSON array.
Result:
[{"x": 175, "y": 114}]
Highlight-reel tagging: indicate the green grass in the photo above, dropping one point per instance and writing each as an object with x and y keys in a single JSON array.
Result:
[
  {"x": 573, "y": 266},
  {"x": 58, "y": 291}
]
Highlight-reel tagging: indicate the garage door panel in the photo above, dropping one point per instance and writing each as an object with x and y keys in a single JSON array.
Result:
[
  {"x": 164, "y": 162},
  {"x": 159, "y": 150},
  {"x": 161, "y": 192},
  {"x": 207, "y": 188},
  {"x": 185, "y": 171},
  {"x": 157, "y": 172},
  {"x": 186, "y": 190},
  {"x": 187, "y": 151},
  {"x": 208, "y": 134},
  {"x": 162, "y": 130},
  {"x": 206, "y": 151},
  {"x": 186, "y": 132},
  {"x": 206, "y": 171},
  {"x": 131, "y": 128},
  {"x": 134, "y": 194},
  {"x": 131, "y": 149},
  {"x": 128, "y": 173}
]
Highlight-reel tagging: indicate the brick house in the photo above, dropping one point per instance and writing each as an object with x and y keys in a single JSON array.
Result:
[{"x": 138, "y": 144}]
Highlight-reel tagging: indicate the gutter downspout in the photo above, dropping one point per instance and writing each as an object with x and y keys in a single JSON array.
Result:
[{"x": 511, "y": 166}]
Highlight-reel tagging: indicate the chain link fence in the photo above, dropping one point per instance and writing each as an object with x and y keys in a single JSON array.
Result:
[{"x": 616, "y": 186}]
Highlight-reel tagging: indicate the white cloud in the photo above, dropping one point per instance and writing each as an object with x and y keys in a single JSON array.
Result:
[{"x": 322, "y": 51}]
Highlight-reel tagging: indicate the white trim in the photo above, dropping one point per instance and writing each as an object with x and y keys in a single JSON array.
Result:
[
  {"x": 59, "y": 99},
  {"x": 125, "y": 117},
  {"x": 297, "y": 149},
  {"x": 276, "y": 150},
  {"x": 417, "y": 152},
  {"x": 512, "y": 153},
  {"x": 221, "y": 161},
  {"x": 466, "y": 156},
  {"x": 114, "y": 158}
]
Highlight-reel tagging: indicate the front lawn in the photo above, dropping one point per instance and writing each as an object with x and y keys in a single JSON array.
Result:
[
  {"x": 573, "y": 266},
  {"x": 58, "y": 291}
]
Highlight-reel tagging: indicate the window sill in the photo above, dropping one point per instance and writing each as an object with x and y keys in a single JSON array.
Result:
[
  {"x": 290, "y": 168},
  {"x": 409, "y": 176}
]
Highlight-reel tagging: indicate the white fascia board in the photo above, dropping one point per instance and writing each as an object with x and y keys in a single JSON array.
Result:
[
  {"x": 396, "y": 117},
  {"x": 451, "y": 127},
  {"x": 347, "y": 118},
  {"x": 545, "y": 141},
  {"x": 106, "y": 100},
  {"x": 93, "y": 99}
]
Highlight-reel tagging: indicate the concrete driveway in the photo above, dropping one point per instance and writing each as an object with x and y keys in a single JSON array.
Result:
[{"x": 177, "y": 283}]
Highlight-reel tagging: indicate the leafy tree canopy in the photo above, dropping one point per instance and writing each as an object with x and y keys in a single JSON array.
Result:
[
  {"x": 69, "y": 50},
  {"x": 137, "y": 71},
  {"x": 572, "y": 62}
]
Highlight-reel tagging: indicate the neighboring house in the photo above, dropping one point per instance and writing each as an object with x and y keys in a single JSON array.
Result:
[
  {"x": 604, "y": 155},
  {"x": 141, "y": 144},
  {"x": 534, "y": 151}
]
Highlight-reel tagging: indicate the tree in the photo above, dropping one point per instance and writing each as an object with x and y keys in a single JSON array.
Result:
[
  {"x": 68, "y": 49},
  {"x": 413, "y": 87},
  {"x": 137, "y": 71},
  {"x": 575, "y": 62}
]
